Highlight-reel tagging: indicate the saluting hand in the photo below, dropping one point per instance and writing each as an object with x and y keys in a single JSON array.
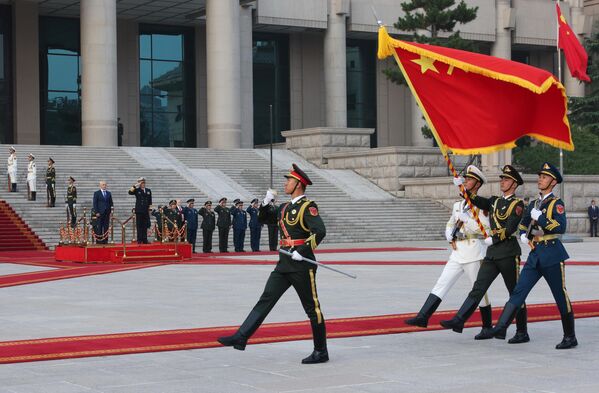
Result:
[
  {"x": 269, "y": 197},
  {"x": 458, "y": 181}
]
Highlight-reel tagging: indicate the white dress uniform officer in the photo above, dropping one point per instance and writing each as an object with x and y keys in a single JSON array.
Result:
[
  {"x": 464, "y": 235},
  {"x": 11, "y": 170},
  {"x": 31, "y": 178}
]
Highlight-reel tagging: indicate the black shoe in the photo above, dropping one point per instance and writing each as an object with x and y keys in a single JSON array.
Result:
[
  {"x": 485, "y": 334},
  {"x": 429, "y": 307},
  {"x": 486, "y": 316},
  {"x": 519, "y": 338},
  {"x": 464, "y": 313},
  {"x": 567, "y": 343},
  {"x": 505, "y": 319},
  {"x": 317, "y": 357},
  {"x": 499, "y": 333},
  {"x": 236, "y": 341}
]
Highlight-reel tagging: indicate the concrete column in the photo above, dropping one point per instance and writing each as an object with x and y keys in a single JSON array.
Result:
[
  {"x": 418, "y": 122},
  {"x": 98, "y": 73},
  {"x": 26, "y": 73},
  {"x": 502, "y": 48},
  {"x": 574, "y": 87},
  {"x": 128, "y": 80},
  {"x": 335, "y": 67},
  {"x": 223, "y": 73},
  {"x": 247, "y": 77},
  {"x": 201, "y": 100}
]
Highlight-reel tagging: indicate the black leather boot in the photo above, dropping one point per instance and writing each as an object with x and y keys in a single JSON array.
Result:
[
  {"x": 53, "y": 202},
  {"x": 33, "y": 195},
  {"x": 487, "y": 317},
  {"x": 457, "y": 322},
  {"x": 569, "y": 340},
  {"x": 505, "y": 319},
  {"x": 521, "y": 335},
  {"x": 14, "y": 187},
  {"x": 429, "y": 307},
  {"x": 246, "y": 330},
  {"x": 320, "y": 353}
]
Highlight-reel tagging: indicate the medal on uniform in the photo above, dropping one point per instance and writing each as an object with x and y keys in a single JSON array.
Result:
[{"x": 293, "y": 211}]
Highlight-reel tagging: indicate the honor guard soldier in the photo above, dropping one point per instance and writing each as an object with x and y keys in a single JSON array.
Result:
[
  {"x": 542, "y": 225},
  {"x": 143, "y": 204},
  {"x": 465, "y": 237},
  {"x": 71, "y": 202},
  {"x": 503, "y": 253},
  {"x": 31, "y": 178},
  {"x": 255, "y": 225},
  {"x": 50, "y": 184},
  {"x": 191, "y": 218},
  {"x": 302, "y": 230},
  {"x": 223, "y": 223},
  {"x": 11, "y": 169},
  {"x": 273, "y": 225},
  {"x": 208, "y": 224},
  {"x": 240, "y": 224}
]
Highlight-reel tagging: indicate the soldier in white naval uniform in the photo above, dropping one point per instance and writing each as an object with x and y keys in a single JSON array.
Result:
[
  {"x": 11, "y": 170},
  {"x": 31, "y": 178},
  {"x": 466, "y": 239}
]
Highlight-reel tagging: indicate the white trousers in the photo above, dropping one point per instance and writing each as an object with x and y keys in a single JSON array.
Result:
[
  {"x": 12, "y": 175},
  {"x": 31, "y": 184},
  {"x": 451, "y": 272}
]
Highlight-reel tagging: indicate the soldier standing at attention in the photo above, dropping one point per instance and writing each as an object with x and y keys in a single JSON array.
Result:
[
  {"x": 31, "y": 178},
  {"x": 143, "y": 204},
  {"x": 255, "y": 225},
  {"x": 240, "y": 224},
  {"x": 191, "y": 218},
  {"x": 302, "y": 230},
  {"x": 50, "y": 184},
  {"x": 11, "y": 169},
  {"x": 223, "y": 223},
  {"x": 71, "y": 202},
  {"x": 208, "y": 224},
  {"x": 546, "y": 217},
  {"x": 469, "y": 249},
  {"x": 157, "y": 213},
  {"x": 273, "y": 225},
  {"x": 174, "y": 220},
  {"x": 503, "y": 253}
]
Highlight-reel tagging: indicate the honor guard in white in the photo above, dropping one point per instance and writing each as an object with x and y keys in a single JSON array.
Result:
[
  {"x": 465, "y": 237},
  {"x": 11, "y": 170},
  {"x": 31, "y": 178}
]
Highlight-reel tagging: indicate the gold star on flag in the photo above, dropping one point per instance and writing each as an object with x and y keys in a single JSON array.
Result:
[{"x": 426, "y": 63}]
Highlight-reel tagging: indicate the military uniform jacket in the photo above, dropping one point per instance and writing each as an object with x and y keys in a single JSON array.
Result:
[
  {"x": 299, "y": 220},
  {"x": 209, "y": 219},
  {"x": 470, "y": 246},
  {"x": 191, "y": 217},
  {"x": 143, "y": 199},
  {"x": 173, "y": 218},
  {"x": 254, "y": 222},
  {"x": 240, "y": 218},
  {"x": 31, "y": 171},
  {"x": 71, "y": 194},
  {"x": 11, "y": 167},
  {"x": 504, "y": 216},
  {"x": 158, "y": 214},
  {"x": 551, "y": 222},
  {"x": 224, "y": 216},
  {"x": 50, "y": 176}
]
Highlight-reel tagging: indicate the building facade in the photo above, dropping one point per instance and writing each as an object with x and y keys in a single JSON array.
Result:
[{"x": 216, "y": 73}]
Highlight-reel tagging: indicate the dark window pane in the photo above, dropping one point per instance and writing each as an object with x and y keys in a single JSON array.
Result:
[
  {"x": 55, "y": 51},
  {"x": 63, "y": 119},
  {"x": 168, "y": 103},
  {"x": 145, "y": 76},
  {"x": 145, "y": 46},
  {"x": 4, "y": 121},
  {"x": 63, "y": 72},
  {"x": 167, "y": 77},
  {"x": 2, "y": 58},
  {"x": 167, "y": 47}
]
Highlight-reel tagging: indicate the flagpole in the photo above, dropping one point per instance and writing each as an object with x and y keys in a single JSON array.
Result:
[{"x": 559, "y": 78}]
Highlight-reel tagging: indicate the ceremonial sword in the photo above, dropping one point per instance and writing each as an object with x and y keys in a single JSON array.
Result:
[{"x": 318, "y": 264}]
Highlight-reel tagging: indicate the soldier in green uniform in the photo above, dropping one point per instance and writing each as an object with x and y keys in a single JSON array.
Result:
[
  {"x": 503, "y": 253},
  {"x": 50, "y": 184},
  {"x": 71, "y": 202},
  {"x": 173, "y": 218},
  {"x": 302, "y": 229}
]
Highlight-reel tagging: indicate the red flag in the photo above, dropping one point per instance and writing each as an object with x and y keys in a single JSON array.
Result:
[
  {"x": 480, "y": 104},
  {"x": 576, "y": 56}
]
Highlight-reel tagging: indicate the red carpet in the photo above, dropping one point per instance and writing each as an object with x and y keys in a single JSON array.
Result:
[
  {"x": 15, "y": 234},
  {"x": 172, "y": 340}
]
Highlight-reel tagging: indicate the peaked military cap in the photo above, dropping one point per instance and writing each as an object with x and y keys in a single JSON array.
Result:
[
  {"x": 222, "y": 199},
  {"x": 31, "y": 155},
  {"x": 254, "y": 200},
  {"x": 190, "y": 200},
  {"x": 140, "y": 179},
  {"x": 551, "y": 170},
  {"x": 237, "y": 202},
  {"x": 12, "y": 148},
  {"x": 71, "y": 178},
  {"x": 475, "y": 173},
  {"x": 296, "y": 173},
  {"x": 511, "y": 173},
  {"x": 207, "y": 203},
  {"x": 172, "y": 202},
  {"x": 50, "y": 159}
]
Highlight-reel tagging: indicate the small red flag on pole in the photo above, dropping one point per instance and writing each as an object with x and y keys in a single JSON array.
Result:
[{"x": 576, "y": 56}]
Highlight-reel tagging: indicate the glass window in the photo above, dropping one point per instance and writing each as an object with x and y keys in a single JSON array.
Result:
[
  {"x": 271, "y": 86},
  {"x": 361, "y": 85},
  {"x": 63, "y": 72},
  {"x": 6, "y": 131},
  {"x": 167, "y": 94}
]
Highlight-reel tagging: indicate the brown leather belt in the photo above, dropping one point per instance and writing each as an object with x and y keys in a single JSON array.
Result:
[{"x": 292, "y": 242}]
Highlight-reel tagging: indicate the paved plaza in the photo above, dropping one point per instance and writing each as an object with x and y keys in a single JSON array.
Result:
[{"x": 193, "y": 296}]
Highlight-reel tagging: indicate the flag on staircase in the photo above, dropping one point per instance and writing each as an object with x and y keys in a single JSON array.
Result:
[
  {"x": 477, "y": 104},
  {"x": 576, "y": 57}
]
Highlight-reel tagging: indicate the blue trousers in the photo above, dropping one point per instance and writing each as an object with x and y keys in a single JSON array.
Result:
[
  {"x": 255, "y": 237},
  {"x": 238, "y": 238},
  {"x": 555, "y": 276},
  {"x": 191, "y": 237}
]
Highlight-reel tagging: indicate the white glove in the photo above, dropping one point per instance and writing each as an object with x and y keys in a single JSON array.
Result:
[
  {"x": 74, "y": 206},
  {"x": 488, "y": 241},
  {"x": 296, "y": 256},
  {"x": 458, "y": 181},
  {"x": 523, "y": 238},
  {"x": 464, "y": 217},
  {"x": 535, "y": 214},
  {"x": 448, "y": 232},
  {"x": 269, "y": 197}
]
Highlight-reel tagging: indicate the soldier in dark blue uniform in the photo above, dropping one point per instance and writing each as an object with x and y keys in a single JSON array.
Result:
[
  {"x": 223, "y": 223},
  {"x": 143, "y": 203},
  {"x": 71, "y": 201},
  {"x": 546, "y": 218},
  {"x": 208, "y": 225},
  {"x": 240, "y": 224},
  {"x": 191, "y": 218},
  {"x": 302, "y": 229},
  {"x": 255, "y": 225}
]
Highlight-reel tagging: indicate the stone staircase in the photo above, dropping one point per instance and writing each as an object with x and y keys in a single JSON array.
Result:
[{"x": 354, "y": 209}]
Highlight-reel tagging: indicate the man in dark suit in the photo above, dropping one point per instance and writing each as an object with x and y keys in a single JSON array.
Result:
[
  {"x": 143, "y": 202},
  {"x": 593, "y": 217},
  {"x": 102, "y": 205}
]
